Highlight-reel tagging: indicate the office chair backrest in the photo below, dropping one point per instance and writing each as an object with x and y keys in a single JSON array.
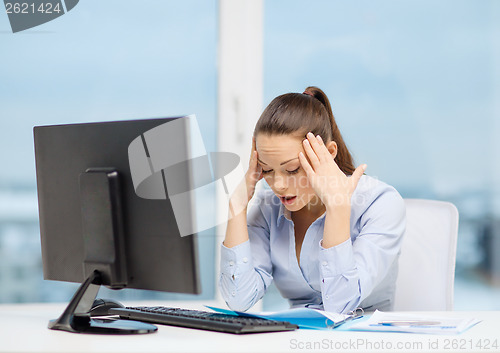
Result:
[{"x": 427, "y": 262}]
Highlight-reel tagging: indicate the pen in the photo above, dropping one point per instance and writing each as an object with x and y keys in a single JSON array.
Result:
[{"x": 409, "y": 323}]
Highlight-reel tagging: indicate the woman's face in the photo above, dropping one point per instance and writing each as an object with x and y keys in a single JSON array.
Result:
[{"x": 278, "y": 155}]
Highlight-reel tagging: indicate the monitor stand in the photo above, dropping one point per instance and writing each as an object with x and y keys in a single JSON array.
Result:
[
  {"x": 104, "y": 256},
  {"x": 76, "y": 317}
]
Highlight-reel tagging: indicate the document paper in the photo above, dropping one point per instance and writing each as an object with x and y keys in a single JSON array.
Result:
[{"x": 414, "y": 323}]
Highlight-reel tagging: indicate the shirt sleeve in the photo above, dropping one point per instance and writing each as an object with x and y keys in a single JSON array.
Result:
[
  {"x": 246, "y": 269},
  {"x": 351, "y": 270}
]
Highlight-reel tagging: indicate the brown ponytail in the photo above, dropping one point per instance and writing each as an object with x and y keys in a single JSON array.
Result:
[
  {"x": 297, "y": 114},
  {"x": 343, "y": 158}
]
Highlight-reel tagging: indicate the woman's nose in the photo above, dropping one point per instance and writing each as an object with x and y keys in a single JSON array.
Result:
[{"x": 280, "y": 183}]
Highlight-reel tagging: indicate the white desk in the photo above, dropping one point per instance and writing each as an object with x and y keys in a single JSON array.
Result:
[{"x": 23, "y": 328}]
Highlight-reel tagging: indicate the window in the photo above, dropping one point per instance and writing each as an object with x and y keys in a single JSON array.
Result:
[
  {"x": 413, "y": 86},
  {"x": 102, "y": 61}
]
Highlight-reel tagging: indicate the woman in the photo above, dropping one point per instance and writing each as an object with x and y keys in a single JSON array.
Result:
[{"x": 328, "y": 235}]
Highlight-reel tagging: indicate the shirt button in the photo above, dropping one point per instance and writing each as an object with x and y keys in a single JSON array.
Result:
[
  {"x": 325, "y": 263},
  {"x": 245, "y": 259},
  {"x": 327, "y": 297},
  {"x": 233, "y": 293},
  {"x": 231, "y": 263}
]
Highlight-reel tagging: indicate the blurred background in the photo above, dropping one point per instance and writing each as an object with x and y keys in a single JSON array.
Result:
[{"x": 414, "y": 86}]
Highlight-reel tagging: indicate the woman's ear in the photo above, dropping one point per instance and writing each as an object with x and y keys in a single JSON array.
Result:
[{"x": 332, "y": 148}]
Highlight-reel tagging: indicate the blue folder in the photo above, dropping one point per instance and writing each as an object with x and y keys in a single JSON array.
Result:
[{"x": 305, "y": 318}]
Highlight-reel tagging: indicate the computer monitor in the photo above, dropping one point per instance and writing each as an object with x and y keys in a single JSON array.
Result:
[{"x": 94, "y": 227}]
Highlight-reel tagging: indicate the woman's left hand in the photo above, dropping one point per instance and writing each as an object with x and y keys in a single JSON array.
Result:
[{"x": 331, "y": 185}]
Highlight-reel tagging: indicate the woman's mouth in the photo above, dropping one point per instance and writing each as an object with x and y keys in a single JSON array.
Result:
[{"x": 287, "y": 200}]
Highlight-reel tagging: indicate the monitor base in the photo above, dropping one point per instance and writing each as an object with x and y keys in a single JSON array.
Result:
[
  {"x": 103, "y": 326},
  {"x": 76, "y": 316}
]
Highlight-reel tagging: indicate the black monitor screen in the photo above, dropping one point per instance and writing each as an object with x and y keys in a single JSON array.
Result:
[{"x": 156, "y": 256}]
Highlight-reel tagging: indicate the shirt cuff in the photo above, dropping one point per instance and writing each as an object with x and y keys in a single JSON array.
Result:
[
  {"x": 336, "y": 260},
  {"x": 236, "y": 260}
]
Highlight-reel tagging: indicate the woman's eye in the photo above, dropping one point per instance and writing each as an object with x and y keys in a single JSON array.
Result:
[
  {"x": 293, "y": 171},
  {"x": 266, "y": 171}
]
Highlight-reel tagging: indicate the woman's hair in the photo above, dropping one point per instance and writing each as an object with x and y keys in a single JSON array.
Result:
[{"x": 299, "y": 113}]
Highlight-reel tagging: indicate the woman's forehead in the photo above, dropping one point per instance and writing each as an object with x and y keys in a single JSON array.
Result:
[
  {"x": 265, "y": 141},
  {"x": 279, "y": 147}
]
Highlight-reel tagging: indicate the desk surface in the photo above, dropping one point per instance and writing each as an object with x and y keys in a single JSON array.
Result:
[{"x": 23, "y": 328}]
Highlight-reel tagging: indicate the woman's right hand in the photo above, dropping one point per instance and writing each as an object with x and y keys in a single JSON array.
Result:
[
  {"x": 254, "y": 172},
  {"x": 244, "y": 193}
]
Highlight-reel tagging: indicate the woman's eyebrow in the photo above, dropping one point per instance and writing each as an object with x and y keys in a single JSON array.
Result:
[
  {"x": 285, "y": 162},
  {"x": 281, "y": 162}
]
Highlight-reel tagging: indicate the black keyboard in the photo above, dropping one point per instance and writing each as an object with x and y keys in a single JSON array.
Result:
[{"x": 202, "y": 320}]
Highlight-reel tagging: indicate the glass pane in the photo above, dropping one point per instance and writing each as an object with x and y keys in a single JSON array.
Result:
[
  {"x": 103, "y": 60},
  {"x": 413, "y": 87}
]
